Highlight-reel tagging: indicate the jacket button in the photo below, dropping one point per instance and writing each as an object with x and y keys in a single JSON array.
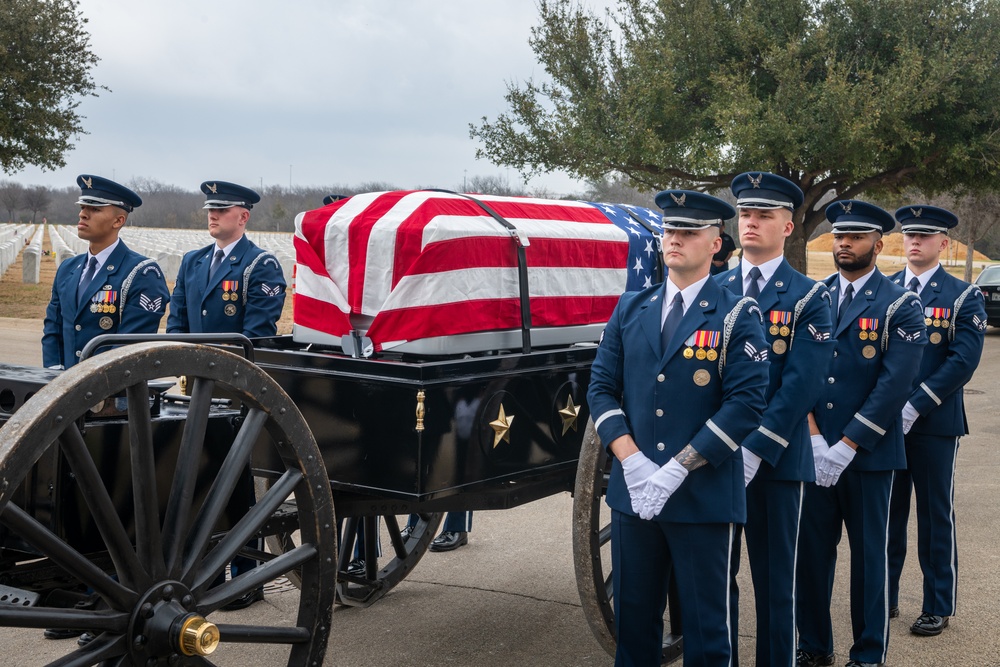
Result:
[
  {"x": 659, "y": 413},
  {"x": 204, "y": 313},
  {"x": 660, "y": 446},
  {"x": 78, "y": 327},
  {"x": 829, "y": 406},
  {"x": 78, "y": 353},
  {"x": 834, "y": 353},
  {"x": 830, "y": 380},
  {"x": 660, "y": 378}
]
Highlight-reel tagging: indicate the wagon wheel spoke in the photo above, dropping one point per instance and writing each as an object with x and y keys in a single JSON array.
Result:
[
  {"x": 247, "y": 527},
  {"x": 67, "y": 557},
  {"x": 130, "y": 570},
  {"x": 185, "y": 478},
  {"x": 272, "y": 569},
  {"x": 392, "y": 525},
  {"x": 222, "y": 488},
  {"x": 104, "y": 647},
  {"x": 147, "y": 513},
  {"x": 262, "y": 634},
  {"x": 348, "y": 536},
  {"x": 369, "y": 548},
  {"x": 45, "y": 617}
]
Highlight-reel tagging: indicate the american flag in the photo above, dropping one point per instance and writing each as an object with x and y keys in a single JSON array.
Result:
[
  {"x": 407, "y": 265},
  {"x": 644, "y": 250}
]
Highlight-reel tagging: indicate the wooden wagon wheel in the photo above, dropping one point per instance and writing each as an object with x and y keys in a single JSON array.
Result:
[
  {"x": 154, "y": 603},
  {"x": 388, "y": 557},
  {"x": 592, "y": 551}
]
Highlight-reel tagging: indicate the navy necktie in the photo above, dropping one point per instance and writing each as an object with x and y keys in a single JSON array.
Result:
[
  {"x": 88, "y": 275},
  {"x": 915, "y": 285},
  {"x": 670, "y": 324},
  {"x": 216, "y": 261},
  {"x": 846, "y": 303},
  {"x": 753, "y": 289}
]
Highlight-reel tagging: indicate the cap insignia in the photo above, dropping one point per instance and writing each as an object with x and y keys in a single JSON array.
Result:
[
  {"x": 846, "y": 206},
  {"x": 88, "y": 182},
  {"x": 755, "y": 182},
  {"x": 916, "y": 212},
  {"x": 213, "y": 188},
  {"x": 678, "y": 200}
]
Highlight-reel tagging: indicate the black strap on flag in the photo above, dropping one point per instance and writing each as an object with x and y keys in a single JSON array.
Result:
[{"x": 522, "y": 266}]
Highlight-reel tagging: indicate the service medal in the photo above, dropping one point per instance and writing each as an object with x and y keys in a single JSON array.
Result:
[
  {"x": 936, "y": 337},
  {"x": 779, "y": 346},
  {"x": 93, "y": 307},
  {"x": 868, "y": 351},
  {"x": 230, "y": 309},
  {"x": 711, "y": 355},
  {"x": 702, "y": 377},
  {"x": 106, "y": 323},
  {"x": 774, "y": 330},
  {"x": 944, "y": 324},
  {"x": 112, "y": 308},
  {"x": 937, "y": 322},
  {"x": 863, "y": 335},
  {"x": 688, "y": 353},
  {"x": 700, "y": 354},
  {"x": 927, "y": 321},
  {"x": 784, "y": 331},
  {"x": 872, "y": 335},
  {"x": 225, "y": 296}
]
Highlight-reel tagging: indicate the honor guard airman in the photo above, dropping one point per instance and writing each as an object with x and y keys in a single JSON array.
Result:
[
  {"x": 777, "y": 456},
  {"x": 109, "y": 288},
  {"x": 678, "y": 383},
  {"x": 231, "y": 286},
  {"x": 857, "y": 439},
  {"x": 934, "y": 415}
]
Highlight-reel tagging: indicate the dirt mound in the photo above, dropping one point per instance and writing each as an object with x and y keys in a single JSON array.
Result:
[{"x": 892, "y": 244}]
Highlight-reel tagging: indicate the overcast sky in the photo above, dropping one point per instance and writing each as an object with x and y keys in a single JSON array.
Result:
[{"x": 312, "y": 92}]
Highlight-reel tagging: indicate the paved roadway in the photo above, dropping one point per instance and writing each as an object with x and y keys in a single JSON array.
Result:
[{"x": 510, "y": 598}]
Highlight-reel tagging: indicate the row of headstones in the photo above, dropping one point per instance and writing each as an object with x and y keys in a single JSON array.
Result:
[
  {"x": 12, "y": 240},
  {"x": 31, "y": 260},
  {"x": 168, "y": 246}
]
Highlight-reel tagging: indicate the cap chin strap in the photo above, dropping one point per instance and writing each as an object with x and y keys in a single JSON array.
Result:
[
  {"x": 219, "y": 203},
  {"x": 922, "y": 229},
  {"x": 100, "y": 201},
  {"x": 763, "y": 203}
]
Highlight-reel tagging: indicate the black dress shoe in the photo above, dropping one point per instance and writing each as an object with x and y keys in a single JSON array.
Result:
[
  {"x": 807, "y": 659},
  {"x": 929, "y": 625},
  {"x": 86, "y": 638},
  {"x": 356, "y": 567},
  {"x": 893, "y": 612},
  {"x": 61, "y": 633},
  {"x": 406, "y": 533},
  {"x": 448, "y": 541},
  {"x": 245, "y": 600},
  {"x": 855, "y": 663}
]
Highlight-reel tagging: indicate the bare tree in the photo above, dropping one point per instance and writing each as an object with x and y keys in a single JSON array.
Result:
[
  {"x": 36, "y": 200},
  {"x": 11, "y": 194},
  {"x": 978, "y": 215}
]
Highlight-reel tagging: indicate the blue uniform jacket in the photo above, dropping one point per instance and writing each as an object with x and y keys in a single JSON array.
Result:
[
  {"x": 952, "y": 353},
  {"x": 128, "y": 295},
  {"x": 799, "y": 358},
  {"x": 667, "y": 401},
  {"x": 864, "y": 393},
  {"x": 245, "y": 296}
]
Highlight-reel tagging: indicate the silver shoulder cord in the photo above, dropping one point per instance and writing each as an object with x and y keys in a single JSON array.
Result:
[
  {"x": 127, "y": 283},
  {"x": 801, "y": 304},
  {"x": 247, "y": 271},
  {"x": 896, "y": 305},
  {"x": 958, "y": 306},
  {"x": 730, "y": 322}
]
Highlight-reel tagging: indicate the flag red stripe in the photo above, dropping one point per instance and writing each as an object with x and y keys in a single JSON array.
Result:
[{"x": 320, "y": 315}]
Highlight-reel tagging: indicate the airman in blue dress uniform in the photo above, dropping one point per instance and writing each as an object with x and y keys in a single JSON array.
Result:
[
  {"x": 777, "y": 456},
  {"x": 678, "y": 383},
  {"x": 231, "y": 286},
  {"x": 109, "y": 288},
  {"x": 934, "y": 415},
  {"x": 857, "y": 435}
]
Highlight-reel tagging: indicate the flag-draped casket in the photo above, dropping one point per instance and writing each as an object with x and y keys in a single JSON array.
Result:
[{"x": 438, "y": 272}]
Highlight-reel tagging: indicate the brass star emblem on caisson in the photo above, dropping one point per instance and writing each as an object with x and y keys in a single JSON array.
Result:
[
  {"x": 501, "y": 427},
  {"x": 569, "y": 415}
]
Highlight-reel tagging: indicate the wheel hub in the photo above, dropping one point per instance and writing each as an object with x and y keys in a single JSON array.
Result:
[{"x": 165, "y": 624}]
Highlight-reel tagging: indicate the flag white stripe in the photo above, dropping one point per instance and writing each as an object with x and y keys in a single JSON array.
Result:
[
  {"x": 434, "y": 289},
  {"x": 307, "y": 283}
]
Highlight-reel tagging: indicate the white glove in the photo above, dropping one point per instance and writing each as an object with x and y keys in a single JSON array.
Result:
[
  {"x": 660, "y": 486},
  {"x": 839, "y": 456},
  {"x": 751, "y": 463},
  {"x": 820, "y": 448},
  {"x": 638, "y": 468},
  {"x": 910, "y": 415}
]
